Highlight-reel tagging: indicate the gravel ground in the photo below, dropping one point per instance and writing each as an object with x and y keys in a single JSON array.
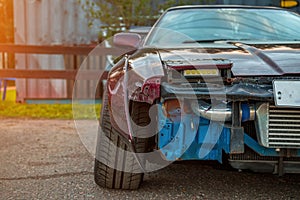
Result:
[{"x": 45, "y": 159}]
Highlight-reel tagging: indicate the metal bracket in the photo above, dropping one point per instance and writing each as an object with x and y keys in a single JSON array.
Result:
[{"x": 237, "y": 131}]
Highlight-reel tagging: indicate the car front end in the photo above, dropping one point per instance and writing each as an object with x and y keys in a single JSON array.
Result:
[{"x": 207, "y": 83}]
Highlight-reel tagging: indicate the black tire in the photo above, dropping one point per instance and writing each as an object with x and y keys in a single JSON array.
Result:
[{"x": 115, "y": 168}]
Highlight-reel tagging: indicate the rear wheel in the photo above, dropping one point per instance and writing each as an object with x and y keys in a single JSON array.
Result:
[{"x": 115, "y": 164}]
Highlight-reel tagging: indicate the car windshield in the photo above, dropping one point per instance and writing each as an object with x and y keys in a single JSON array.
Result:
[{"x": 200, "y": 25}]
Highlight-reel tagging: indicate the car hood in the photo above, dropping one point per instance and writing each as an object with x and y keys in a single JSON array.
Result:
[{"x": 247, "y": 59}]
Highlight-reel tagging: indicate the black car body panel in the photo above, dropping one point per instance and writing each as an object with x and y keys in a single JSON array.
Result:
[{"x": 248, "y": 59}]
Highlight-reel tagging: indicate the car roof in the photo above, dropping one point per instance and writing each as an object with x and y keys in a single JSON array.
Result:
[{"x": 224, "y": 6}]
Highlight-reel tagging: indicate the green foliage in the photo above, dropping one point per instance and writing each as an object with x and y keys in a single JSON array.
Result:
[{"x": 120, "y": 15}]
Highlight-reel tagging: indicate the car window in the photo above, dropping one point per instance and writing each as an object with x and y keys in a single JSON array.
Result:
[{"x": 188, "y": 25}]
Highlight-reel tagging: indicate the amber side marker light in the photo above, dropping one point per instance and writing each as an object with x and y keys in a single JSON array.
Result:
[{"x": 289, "y": 3}]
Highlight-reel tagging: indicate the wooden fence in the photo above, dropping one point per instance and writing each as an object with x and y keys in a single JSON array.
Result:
[
  {"x": 68, "y": 73},
  {"x": 55, "y": 50}
]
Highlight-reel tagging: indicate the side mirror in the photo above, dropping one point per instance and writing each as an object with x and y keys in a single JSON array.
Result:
[{"x": 131, "y": 40}]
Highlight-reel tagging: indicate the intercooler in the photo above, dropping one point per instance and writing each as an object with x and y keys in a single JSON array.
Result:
[
  {"x": 278, "y": 127},
  {"x": 273, "y": 120}
]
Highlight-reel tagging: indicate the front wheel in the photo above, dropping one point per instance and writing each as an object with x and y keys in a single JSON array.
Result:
[{"x": 116, "y": 166}]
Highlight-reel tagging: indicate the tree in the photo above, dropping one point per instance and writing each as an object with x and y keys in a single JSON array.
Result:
[{"x": 120, "y": 15}]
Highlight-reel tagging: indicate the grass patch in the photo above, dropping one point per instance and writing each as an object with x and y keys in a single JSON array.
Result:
[
  {"x": 9, "y": 108},
  {"x": 48, "y": 111}
]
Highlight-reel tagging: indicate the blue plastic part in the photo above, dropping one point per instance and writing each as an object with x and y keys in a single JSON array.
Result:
[
  {"x": 165, "y": 135},
  {"x": 192, "y": 138},
  {"x": 176, "y": 138},
  {"x": 245, "y": 112},
  {"x": 204, "y": 140},
  {"x": 260, "y": 150}
]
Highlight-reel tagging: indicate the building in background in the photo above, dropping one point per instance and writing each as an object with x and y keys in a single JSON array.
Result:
[{"x": 49, "y": 22}]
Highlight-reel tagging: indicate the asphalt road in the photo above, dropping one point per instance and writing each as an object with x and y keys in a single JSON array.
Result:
[{"x": 45, "y": 159}]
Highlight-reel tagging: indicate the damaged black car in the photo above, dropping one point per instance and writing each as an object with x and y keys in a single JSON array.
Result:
[{"x": 207, "y": 83}]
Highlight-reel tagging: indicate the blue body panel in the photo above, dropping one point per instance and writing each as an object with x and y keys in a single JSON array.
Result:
[
  {"x": 178, "y": 141},
  {"x": 196, "y": 138}
]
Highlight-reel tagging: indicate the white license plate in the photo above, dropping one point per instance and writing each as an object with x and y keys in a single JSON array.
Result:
[{"x": 286, "y": 93}]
